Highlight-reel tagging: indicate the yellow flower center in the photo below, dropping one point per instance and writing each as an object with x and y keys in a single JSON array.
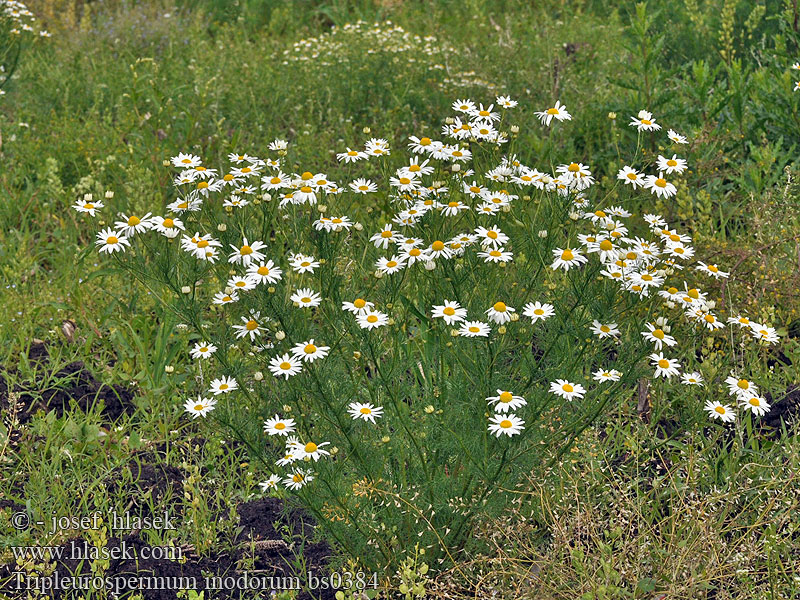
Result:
[
  {"x": 280, "y": 426},
  {"x": 359, "y": 303},
  {"x": 449, "y": 311},
  {"x": 223, "y": 386},
  {"x": 646, "y": 122},
  {"x": 709, "y": 318},
  {"x": 285, "y": 365},
  {"x": 664, "y": 364},
  {"x": 693, "y": 293},
  {"x": 262, "y": 270},
  {"x": 425, "y": 141},
  {"x": 305, "y": 189},
  {"x": 567, "y": 388},
  {"x": 245, "y": 250},
  {"x": 391, "y": 264},
  {"x": 491, "y": 234},
  {"x": 365, "y": 410},
  {"x": 414, "y": 252},
  {"x": 606, "y": 245},
  {"x": 112, "y": 239},
  {"x": 305, "y": 299},
  {"x": 186, "y": 161},
  {"x": 275, "y": 180},
  {"x": 661, "y": 182},
  {"x": 437, "y": 246},
  {"x": 251, "y": 325},
  {"x": 743, "y": 384},
  {"x": 495, "y": 253},
  {"x": 202, "y": 185},
  {"x": 204, "y": 349},
  {"x": 605, "y": 328},
  {"x": 720, "y": 410},
  {"x": 133, "y": 221},
  {"x": 198, "y": 407},
  {"x": 229, "y": 177},
  {"x": 363, "y": 188},
  {"x": 372, "y": 319},
  {"x": 672, "y": 163},
  {"x": 567, "y": 255},
  {"x": 404, "y": 180},
  {"x": 506, "y": 397},
  {"x": 506, "y": 424},
  {"x": 754, "y": 401},
  {"x": 168, "y": 223},
  {"x": 297, "y": 478},
  {"x": 552, "y": 111},
  {"x": 672, "y": 291},
  {"x": 474, "y": 189},
  {"x": 306, "y": 176},
  {"x": 631, "y": 175},
  {"x": 310, "y": 349},
  {"x": 474, "y": 329},
  {"x": 500, "y": 307},
  {"x": 574, "y": 168},
  {"x": 658, "y": 333}
]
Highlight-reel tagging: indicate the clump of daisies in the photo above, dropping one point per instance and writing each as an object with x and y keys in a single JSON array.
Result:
[{"x": 410, "y": 351}]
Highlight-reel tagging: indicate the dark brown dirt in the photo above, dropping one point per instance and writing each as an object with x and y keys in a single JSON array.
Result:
[
  {"x": 73, "y": 383},
  {"x": 784, "y": 411},
  {"x": 148, "y": 484}
]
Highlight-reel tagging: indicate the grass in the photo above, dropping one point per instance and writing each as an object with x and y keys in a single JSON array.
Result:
[{"x": 634, "y": 509}]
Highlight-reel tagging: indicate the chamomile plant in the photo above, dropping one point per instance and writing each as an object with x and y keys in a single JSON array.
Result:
[{"x": 402, "y": 334}]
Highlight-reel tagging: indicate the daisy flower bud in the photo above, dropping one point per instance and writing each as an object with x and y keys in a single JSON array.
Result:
[
  {"x": 280, "y": 335},
  {"x": 186, "y": 289},
  {"x": 169, "y": 369},
  {"x": 258, "y": 376},
  {"x": 515, "y": 129},
  {"x": 109, "y": 194},
  {"x": 222, "y": 227},
  {"x": 456, "y": 168}
]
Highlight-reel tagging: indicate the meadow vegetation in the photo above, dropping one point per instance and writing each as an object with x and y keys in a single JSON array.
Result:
[{"x": 557, "y": 358}]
